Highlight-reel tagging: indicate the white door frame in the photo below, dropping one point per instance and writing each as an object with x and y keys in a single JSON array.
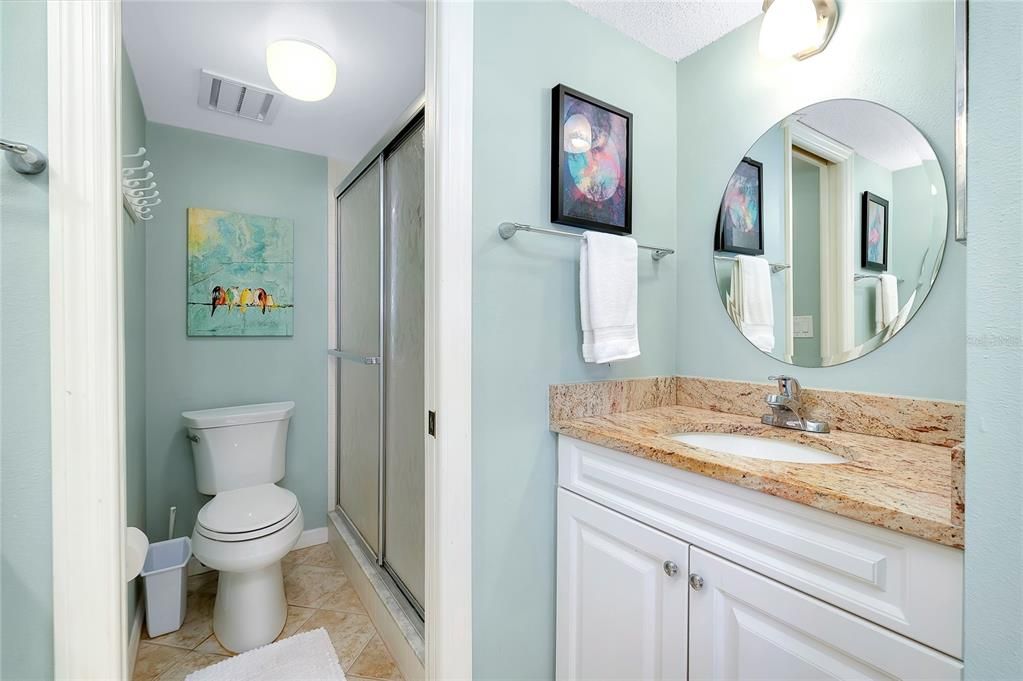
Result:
[
  {"x": 837, "y": 248},
  {"x": 86, "y": 340},
  {"x": 87, "y": 353},
  {"x": 449, "y": 91}
]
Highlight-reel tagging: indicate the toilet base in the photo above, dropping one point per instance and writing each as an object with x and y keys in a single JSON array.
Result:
[{"x": 251, "y": 609}]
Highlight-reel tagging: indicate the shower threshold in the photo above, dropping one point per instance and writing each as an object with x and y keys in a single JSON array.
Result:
[{"x": 394, "y": 615}]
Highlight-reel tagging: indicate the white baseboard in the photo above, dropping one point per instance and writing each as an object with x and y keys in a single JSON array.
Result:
[
  {"x": 312, "y": 538},
  {"x": 136, "y": 635},
  {"x": 308, "y": 538}
]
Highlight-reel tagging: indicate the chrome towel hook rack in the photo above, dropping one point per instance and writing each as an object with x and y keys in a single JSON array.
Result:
[
  {"x": 508, "y": 229},
  {"x": 24, "y": 158}
]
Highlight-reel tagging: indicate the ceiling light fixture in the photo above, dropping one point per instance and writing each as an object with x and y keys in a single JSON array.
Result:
[
  {"x": 797, "y": 28},
  {"x": 301, "y": 69}
]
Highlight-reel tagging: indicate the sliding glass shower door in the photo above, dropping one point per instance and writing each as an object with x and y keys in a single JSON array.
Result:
[
  {"x": 404, "y": 368},
  {"x": 360, "y": 357},
  {"x": 381, "y": 413}
]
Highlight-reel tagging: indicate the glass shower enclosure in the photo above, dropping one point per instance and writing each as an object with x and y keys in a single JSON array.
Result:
[{"x": 380, "y": 359}]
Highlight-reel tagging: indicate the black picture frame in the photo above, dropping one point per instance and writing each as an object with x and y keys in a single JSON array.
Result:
[
  {"x": 575, "y": 215},
  {"x": 722, "y": 242},
  {"x": 866, "y": 262}
]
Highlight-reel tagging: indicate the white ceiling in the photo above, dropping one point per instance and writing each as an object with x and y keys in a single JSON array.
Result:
[
  {"x": 874, "y": 131},
  {"x": 673, "y": 29},
  {"x": 379, "y": 48}
]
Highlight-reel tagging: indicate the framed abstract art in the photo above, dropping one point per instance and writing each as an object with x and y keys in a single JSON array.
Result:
[
  {"x": 741, "y": 216},
  {"x": 874, "y": 242},
  {"x": 591, "y": 163}
]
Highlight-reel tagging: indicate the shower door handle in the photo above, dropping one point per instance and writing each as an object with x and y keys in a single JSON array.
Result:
[{"x": 355, "y": 357}]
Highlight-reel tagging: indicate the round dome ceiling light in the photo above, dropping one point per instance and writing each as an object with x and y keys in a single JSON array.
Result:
[{"x": 301, "y": 69}]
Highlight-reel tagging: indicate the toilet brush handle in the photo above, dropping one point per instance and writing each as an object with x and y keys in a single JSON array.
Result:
[{"x": 170, "y": 525}]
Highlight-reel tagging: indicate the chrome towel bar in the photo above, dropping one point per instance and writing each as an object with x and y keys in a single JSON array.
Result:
[
  {"x": 508, "y": 229},
  {"x": 775, "y": 267},
  {"x": 861, "y": 277}
]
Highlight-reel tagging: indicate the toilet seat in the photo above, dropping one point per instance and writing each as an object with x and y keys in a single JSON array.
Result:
[{"x": 248, "y": 513}]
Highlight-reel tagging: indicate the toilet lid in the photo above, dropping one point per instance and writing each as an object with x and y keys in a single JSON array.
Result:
[{"x": 247, "y": 513}]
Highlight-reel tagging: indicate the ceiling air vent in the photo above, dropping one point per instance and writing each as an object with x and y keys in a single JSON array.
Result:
[{"x": 235, "y": 98}]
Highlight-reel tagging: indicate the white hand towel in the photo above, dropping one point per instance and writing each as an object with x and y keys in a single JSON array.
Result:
[
  {"x": 608, "y": 297},
  {"x": 752, "y": 303},
  {"x": 886, "y": 301}
]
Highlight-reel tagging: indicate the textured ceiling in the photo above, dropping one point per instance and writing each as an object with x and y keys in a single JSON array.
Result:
[
  {"x": 674, "y": 29},
  {"x": 874, "y": 131}
]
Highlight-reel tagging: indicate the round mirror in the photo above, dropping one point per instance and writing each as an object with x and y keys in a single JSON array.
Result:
[{"x": 830, "y": 233}]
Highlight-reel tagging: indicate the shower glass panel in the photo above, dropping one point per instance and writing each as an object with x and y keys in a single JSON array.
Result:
[
  {"x": 359, "y": 365},
  {"x": 404, "y": 482}
]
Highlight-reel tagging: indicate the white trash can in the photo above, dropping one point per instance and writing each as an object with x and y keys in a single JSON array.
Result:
[{"x": 165, "y": 574}]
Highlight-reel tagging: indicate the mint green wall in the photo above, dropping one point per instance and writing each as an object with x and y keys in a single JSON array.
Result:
[
  {"x": 200, "y": 170},
  {"x": 26, "y": 599},
  {"x": 525, "y": 298},
  {"x": 896, "y": 53},
  {"x": 133, "y": 136},
  {"x": 994, "y": 389}
]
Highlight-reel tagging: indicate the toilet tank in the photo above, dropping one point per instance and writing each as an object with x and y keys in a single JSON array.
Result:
[{"x": 237, "y": 447}]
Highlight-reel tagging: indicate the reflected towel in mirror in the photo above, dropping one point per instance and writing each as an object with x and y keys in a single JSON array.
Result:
[
  {"x": 749, "y": 300},
  {"x": 886, "y": 301},
  {"x": 608, "y": 292}
]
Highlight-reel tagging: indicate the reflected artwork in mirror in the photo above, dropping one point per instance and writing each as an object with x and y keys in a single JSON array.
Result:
[{"x": 829, "y": 243}]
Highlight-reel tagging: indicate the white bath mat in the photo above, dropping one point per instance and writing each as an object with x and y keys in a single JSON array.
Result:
[{"x": 303, "y": 657}]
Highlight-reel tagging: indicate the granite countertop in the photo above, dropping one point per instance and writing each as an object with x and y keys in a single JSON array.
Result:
[{"x": 897, "y": 484}]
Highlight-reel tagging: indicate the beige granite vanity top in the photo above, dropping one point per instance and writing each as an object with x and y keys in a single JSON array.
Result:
[{"x": 911, "y": 487}]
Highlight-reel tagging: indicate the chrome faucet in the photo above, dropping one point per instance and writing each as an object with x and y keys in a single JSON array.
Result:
[{"x": 786, "y": 408}]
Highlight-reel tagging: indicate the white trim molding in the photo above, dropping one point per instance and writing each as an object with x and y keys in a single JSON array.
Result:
[
  {"x": 86, "y": 344},
  {"x": 837, "y": 245},
  {"x": 449, "y": 92},
  {"x": 136, "y": 635}
]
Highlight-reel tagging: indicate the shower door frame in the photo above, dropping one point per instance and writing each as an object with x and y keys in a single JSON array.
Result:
[{"x": 413, "y": 119}]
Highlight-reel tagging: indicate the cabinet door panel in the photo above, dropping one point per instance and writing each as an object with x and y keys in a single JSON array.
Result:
[
  {"x": 620, "y": 614},
  {"x": 746, "y": 626}
]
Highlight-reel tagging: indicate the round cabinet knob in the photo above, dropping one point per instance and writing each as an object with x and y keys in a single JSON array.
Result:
[
  {"x": 695, "y": 581},
  {"x": 670, "y": 568}
]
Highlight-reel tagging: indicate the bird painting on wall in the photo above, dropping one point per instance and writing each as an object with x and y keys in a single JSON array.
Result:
[
  {"x": 240, "y": 274},
  {"x": 242, "y": 298}
]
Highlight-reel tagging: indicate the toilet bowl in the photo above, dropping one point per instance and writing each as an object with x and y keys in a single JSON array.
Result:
[
  {"x": 244, "y": 534},
  {"x": 251, "y": 523}
]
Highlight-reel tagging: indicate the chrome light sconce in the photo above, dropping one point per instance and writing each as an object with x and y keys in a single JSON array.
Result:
[{"x": 797, "y": 28}]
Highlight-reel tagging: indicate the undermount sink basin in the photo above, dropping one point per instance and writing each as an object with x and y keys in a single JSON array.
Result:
[{"x": 758, "y": 447}]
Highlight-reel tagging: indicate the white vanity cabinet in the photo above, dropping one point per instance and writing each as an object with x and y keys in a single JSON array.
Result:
[
  {"x": 622, "y": 611},
  {"x": 764, "y": 588}
]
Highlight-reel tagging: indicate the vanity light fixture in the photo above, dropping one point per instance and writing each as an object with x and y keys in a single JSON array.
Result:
[
  {"x": 301, "y": 69},
  {"x": 797, "y": 28}
]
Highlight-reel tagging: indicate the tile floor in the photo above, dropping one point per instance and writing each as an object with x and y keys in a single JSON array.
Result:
[{"x": 318, "y": 594}]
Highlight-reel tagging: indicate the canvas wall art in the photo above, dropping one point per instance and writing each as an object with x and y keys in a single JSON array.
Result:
[
  {"x": 741, "y": 217},
  {"x": 874, "y": 246},
  {"x": 241, "y": 272},
  {"x": 591, "y": 163}
]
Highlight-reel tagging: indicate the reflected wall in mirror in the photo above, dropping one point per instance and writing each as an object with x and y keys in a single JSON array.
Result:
[{"x": 850, "y": 213}]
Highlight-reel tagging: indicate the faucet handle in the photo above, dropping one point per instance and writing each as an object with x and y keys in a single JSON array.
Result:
[{"x": 787, "y": 385}]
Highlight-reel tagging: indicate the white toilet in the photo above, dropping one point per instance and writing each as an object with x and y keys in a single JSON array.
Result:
[{"x": 251, "y": 523}]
